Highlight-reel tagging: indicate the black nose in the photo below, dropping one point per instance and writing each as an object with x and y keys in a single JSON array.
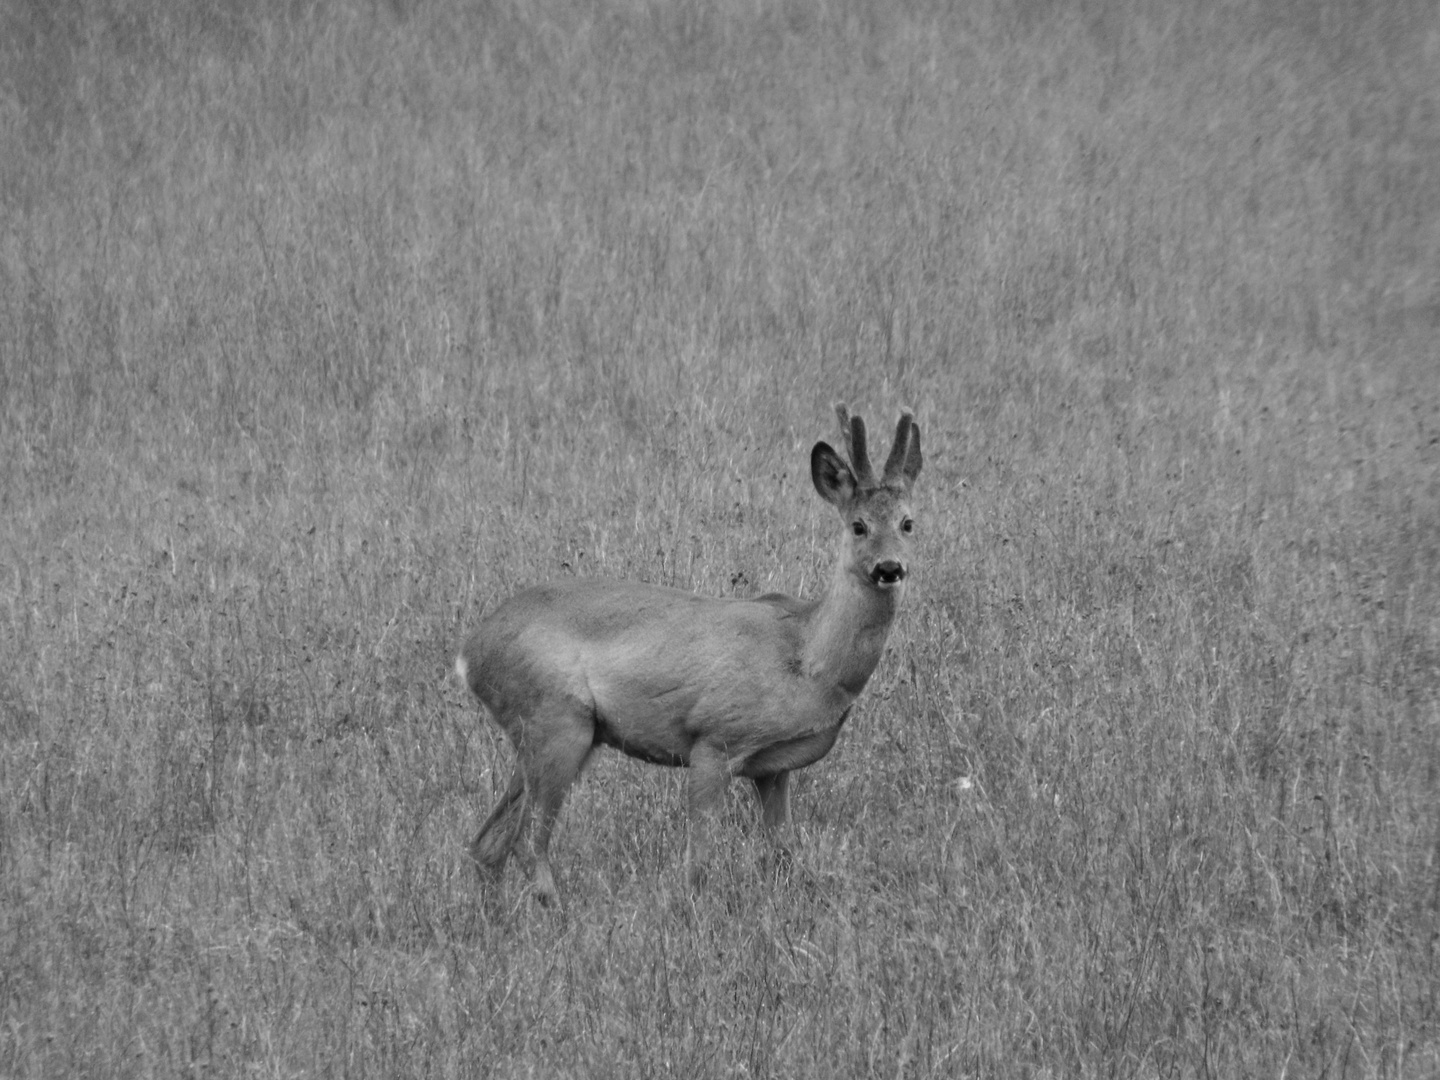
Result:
[{"x": 887, "y": 572}]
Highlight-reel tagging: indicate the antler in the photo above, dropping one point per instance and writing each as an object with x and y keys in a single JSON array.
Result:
[
  {"x": 852, "y": 428},
  {"x": 904, "y": 461}
]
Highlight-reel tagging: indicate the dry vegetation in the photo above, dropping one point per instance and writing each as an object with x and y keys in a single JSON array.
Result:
[{"x": 323, "y": 326}]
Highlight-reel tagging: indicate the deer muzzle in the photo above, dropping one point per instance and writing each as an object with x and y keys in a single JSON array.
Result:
[{"x": 889, "y": 572}]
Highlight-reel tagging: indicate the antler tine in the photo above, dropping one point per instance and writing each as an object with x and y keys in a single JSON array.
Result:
[
  {"x": 912, "y": 453},
  {"x": 900, "y": 451},
  {"x": 853, "y": 430}
]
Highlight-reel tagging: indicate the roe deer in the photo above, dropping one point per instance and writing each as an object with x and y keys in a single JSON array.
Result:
[{"x": 728, "y": 687}]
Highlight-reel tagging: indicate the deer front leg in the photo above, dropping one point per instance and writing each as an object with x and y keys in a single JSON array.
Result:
[
  {"x": 774, "y": 795},
  {"x": 709, "y": 775}
]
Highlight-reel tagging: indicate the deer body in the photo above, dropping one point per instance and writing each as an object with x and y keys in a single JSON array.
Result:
[{"x": 727, "y": 687}]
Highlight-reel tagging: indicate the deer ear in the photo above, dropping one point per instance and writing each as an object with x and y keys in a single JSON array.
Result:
[{"x": 833, "y": 478}]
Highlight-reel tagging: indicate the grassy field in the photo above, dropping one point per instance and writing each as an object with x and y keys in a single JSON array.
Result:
[{"x": 325, "y": 326}]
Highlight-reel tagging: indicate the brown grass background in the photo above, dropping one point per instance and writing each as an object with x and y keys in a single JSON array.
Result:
[{"x": 325, "y": 325}]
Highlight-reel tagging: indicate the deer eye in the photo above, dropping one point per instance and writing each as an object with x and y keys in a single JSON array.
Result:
[
  {"x": 858, "y": 528},
  {"x": 907, "y": 526}
]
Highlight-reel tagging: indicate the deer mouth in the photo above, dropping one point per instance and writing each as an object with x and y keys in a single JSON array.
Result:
[{"x": 887, "y": 574}]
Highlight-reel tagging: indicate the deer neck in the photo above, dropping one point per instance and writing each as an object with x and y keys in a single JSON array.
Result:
[{"x": 848, "y": 631}]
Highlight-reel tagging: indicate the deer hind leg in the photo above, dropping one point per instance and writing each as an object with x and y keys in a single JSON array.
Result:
[
  {"x": 774, "y": 795},
  {"x": 496, "y": 839},
  {"x": 553, "y": 758}
]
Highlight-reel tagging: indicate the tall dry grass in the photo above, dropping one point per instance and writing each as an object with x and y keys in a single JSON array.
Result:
[{"x": 323, "y": 326}]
